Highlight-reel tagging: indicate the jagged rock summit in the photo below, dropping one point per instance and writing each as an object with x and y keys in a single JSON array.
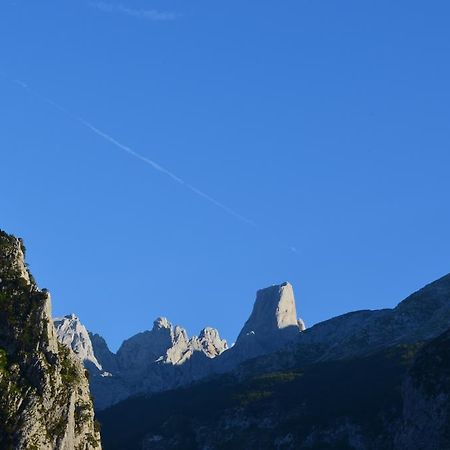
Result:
[
  {"x": 45, "y": 402},
  {"x": 161, "y": 358},
  {"x": 165, "y": 357},
  {"x": 274, "y": 316},
  {"x": 167, "y": 343},
  {"x": 73, "y": 333},
  {"x": 272, "y": 325}
]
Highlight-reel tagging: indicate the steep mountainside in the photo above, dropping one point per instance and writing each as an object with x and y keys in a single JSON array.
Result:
[
  {"x": 272, "y": 325},
  {"x": 366, "y": 380},
  {"x": 162, "y": 358},
  {"x": 426, "y": 393},
  {"x": 165, "y": 357},
  {"x": 393, "y": 399},
  {"x": 422, "y": 316},
  {"x": 351, "y": 404},
  {"x": 44, "y": 393},
  {"x": 73, "y": 334}
]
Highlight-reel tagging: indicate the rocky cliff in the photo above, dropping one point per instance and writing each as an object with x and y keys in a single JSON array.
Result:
[
  {"x": 366, "y": 380},
  {"x": 422, "y": 316},
  {"x": 273, "y": 338},
  {"x": 44, "y": 394},
  {"x": 72, "y": 333},
  {"x": 272, "y": 325},
  {"x": 165, "y": 357},
  {"x": 161, "y": 358},
  {"x": 325, "y": 406}
]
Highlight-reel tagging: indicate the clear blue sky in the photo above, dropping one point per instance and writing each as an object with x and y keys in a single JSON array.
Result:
[{"x": 324, "y": 122}]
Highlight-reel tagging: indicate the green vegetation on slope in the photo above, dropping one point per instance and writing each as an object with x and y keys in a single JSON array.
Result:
[
  {"x": 364, "y": 390},
  {"x": 39, "y": 378}
]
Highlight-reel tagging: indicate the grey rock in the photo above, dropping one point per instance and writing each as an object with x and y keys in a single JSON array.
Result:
[
  {"x": 154, "y": 360},
  {"x": 104, "y": 355},
  {"x": 73, "y": 333},
  {"x": 272, "y": 325},
  {"x": 44, "y": 394},
  {"x": 165, "y": 357}
]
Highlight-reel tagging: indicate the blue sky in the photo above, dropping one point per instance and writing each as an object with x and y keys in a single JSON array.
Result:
[{"x": 326, "y": 123}]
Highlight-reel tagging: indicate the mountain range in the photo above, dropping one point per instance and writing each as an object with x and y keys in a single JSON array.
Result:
[
  {"x": 366, "y": 380},
  {"x": 165, "y": 357}
]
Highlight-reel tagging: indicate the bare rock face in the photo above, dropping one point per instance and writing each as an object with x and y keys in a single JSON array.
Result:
[
  {"x": 44, "y": 395},
  {"x": 165, "y": 357},
  {"x": 274, "y": 316},
  {"x": 105, "y": 357},
  {"x": 301, "y": 324},
  {"x": 154, "y": 360},
  {"x": 164, "y": 342},
  {"x": 272, "y": 325},
  {"x": 210, "y": 342},
  {"x": 72, "y": 333}
]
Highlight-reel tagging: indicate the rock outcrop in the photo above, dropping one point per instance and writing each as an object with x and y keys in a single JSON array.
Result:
[
  {"x": 44, "y": 394},
  {"x": 72, "y": 333},
  {"x": 161, "y": 358},
  {"x": 106, "y": 358},
  {"x": 272, "y": 325},
  {"x": 422, "y": 316},
  {"x": 367, "y": 380},
  {"x": 165, "y": 357}
]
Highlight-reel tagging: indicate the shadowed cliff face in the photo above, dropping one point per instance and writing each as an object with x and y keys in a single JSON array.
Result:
[
  {"x": 273, "y": 321},
  {"x": 272, "y": 325},
  {"x": 44, "y": 394}
]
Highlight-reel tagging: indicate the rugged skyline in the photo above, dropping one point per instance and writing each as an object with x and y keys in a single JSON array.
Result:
[{"x": 324, "y": 123}]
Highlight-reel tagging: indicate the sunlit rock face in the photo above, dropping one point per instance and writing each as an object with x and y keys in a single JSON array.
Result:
[
  {"x": 165, "y": 357},
  {"x": 209, "y": 342},
  {"x": 162, "y": 358},
  {"x": 272, "y": 325},
  {"x": 44, "y": 394},
  {"x": 72, "y": 333},
  {"x": 274, "y": 317},
  {"x": 167, "y": 343}
]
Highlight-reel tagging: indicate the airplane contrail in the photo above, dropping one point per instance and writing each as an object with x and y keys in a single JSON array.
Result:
[{"x": 137, "y": 155}]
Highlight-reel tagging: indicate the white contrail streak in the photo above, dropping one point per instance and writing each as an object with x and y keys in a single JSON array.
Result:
[{"x": 137, "y": 155}]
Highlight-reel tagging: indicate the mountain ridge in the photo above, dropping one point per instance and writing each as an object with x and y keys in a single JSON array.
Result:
[
  {"x": 272, "y": 337},
  {"x": 364, "y": 380},
  {"x": 165, "y": 357}
]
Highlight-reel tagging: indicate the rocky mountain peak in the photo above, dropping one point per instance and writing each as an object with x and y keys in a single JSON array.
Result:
[
  {"x": 165, "y": 356},
  {"x": 161, "y": 322},
  {"x": 72, "y": 333},
  {"x": 211, "y": 342},
  {"x": 272, "y": 324},
  {"x": 274, "y": 313}
]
